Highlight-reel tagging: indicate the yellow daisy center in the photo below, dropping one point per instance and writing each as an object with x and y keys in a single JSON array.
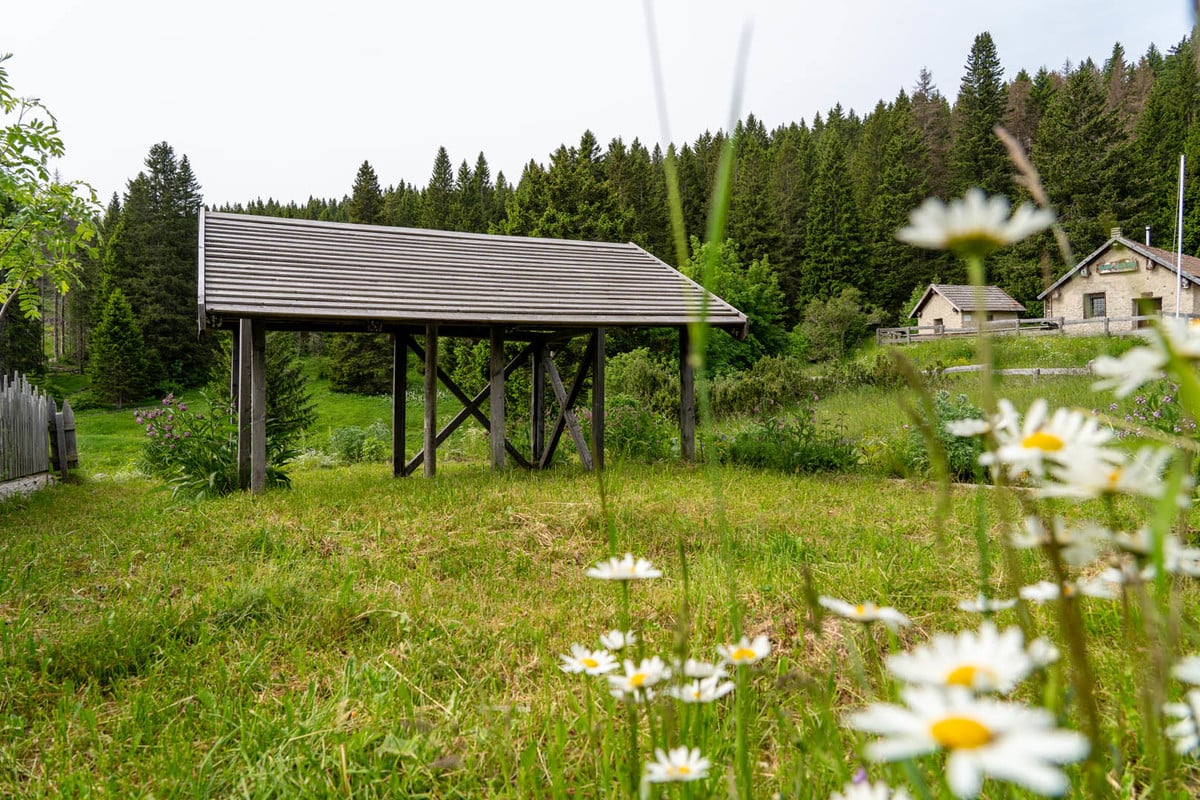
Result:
[
  {"x": 960, "y": 733},
  {"x": 966, "y": 675},
  {"x": 1114, "y": 477},
  {"x": 975, "y": 241},
  {"x": 742, "y": 654},
  {"x": 1041, "y": 440},
  {"x": 683, "y": 769},
  {"x": 637, "y": 680},
  {"x": 589, "y": 662},
  {"x": 860, "y": 609}
]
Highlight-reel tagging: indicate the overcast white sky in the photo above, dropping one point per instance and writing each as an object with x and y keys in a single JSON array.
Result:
[{"x": 286, "y": 99}]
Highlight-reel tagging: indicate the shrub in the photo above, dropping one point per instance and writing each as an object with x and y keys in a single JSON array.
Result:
[
  {"x": 639, "y": 375},
  {"x": 790, "y": 443},
  {"x": 631, "y": 430},
  {"x": 351, "y": 444},
  {"x": 196, "y": 454},
  {"x": 778, "y": 380},
  {"x": 962, "y": 453}
]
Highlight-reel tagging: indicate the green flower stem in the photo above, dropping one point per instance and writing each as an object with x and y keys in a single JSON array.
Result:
[
  {"x": 975, "y": 273},
  {"x": 635, "y": 763},
  {"x": 744, "y": 774},
  {"x": 1083, "y": 679}
]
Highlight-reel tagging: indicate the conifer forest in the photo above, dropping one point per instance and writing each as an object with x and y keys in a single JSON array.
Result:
[{"x": 814, "y": 207}]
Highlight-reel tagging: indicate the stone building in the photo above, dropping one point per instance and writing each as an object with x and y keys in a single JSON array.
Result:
[
  {"x": 1120, "y": 280},
  {"x": 956, "y": 307}
]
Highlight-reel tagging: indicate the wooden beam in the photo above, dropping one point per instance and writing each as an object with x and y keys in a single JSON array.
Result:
[
  {"x": 598, "y": 398},
  {"x": 258, "y": 407},
  {"x": 399, "y": 397},
  {"x": 537, "y": 403},
  {"x": 431, "y": 376},
  {"x": 687, "y": 398},
  {"x": 566, "y": 412},
  {"x": 471, "y": 406},
  {"x": 560, "y": 422},
  {"x": 496, "y": 411},
  {"x": 241, "y": 398}
]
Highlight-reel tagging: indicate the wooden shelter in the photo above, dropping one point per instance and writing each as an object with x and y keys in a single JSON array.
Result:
[{"x": 260, "y": 273}]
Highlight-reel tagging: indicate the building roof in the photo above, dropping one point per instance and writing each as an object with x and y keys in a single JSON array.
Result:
[
  {"x": 1164, "y": 258},
  {"x": 964, "y": 298},
  {"x": 291, "y": 271}
]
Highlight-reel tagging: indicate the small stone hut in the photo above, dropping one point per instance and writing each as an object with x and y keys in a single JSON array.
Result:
[{"x": 951, "y": 307}]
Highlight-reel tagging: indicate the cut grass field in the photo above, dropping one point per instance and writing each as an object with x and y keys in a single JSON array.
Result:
[
  {"x": 359, "y": 636},
  {"x": 399, "y": 638}
]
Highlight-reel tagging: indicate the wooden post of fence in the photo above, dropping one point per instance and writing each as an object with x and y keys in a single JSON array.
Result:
[
  {"x": 68, "y": 425},
  {"x": 1106, "y": 326}
]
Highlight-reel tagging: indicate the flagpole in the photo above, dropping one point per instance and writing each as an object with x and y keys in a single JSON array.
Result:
[{"x": 1179, "y": 247}]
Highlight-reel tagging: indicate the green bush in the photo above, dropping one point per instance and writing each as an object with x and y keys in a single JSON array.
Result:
[
  {"x": 639, "y": 375},
  {"x": 779, "y": 380},
  {"x": 351, "y": 444},
  {"x": 631, "y": 430},
  {"x": 195, "y": 453},
  {"x": 962, "y": 452},
  {"x": 790, "y": 443}
]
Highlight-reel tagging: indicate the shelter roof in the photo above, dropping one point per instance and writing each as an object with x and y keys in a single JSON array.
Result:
[
  {"x": 290, "y": 271},
  {"x": 964, "y": 298}
]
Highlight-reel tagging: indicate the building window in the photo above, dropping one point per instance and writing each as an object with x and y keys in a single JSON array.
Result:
[
  {"x": 967, "y": 316},
  {"x": 1094, "y": 306}
]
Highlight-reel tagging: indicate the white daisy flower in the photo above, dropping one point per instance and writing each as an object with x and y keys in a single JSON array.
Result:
[
  {"x": 1185, "y": 732},
  {"x": 1046, "y": 591},
  {"x": 703, "y": 690},
  {"x": 986, "y": 605},
  {"x": 700, "y": 669},
  {"x": 1043, "y": 652},
  {"x": 981, "y": 736},
  {"x": 1182, "y": 336},
  {"x": 1132, "y": 369},
  {"x": 593, "y": 662},
  {"x": 1139, "y": 476},
  {"x": 1060, "y": 438},
  {"x": 624, "y": 569},
  {"x": 972, "y": 226},
  {"x": 640, "y": 676},
  {"x": 1077, "y": 544},
  {"x": 680, "y": 764},
  {"x": 988, "y": 661},
  {"x": 745, "y": 652},
  {"x": 1178, "y": 559},
  {"x": 636, "y": 698},
  {"x": 618, "y": 640},
  {"x": 865, "y": 612},
  {"x": 870, "y": 791},
  {"x": 968, "y": 427},
  {"x": 1188, "y": 670}
]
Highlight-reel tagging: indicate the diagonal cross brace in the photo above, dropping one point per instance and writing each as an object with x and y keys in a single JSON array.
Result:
[
  {"x": 470, "y": 407},
  {"x": 566, "y": 401}
]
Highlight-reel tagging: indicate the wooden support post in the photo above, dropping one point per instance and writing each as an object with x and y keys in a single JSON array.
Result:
[
  {"x": 687, "y": 399},
  {"x": 258, "y": 406},
  {"x": 241, "y": 378},
  {"x": 399, "y": 397},
  {"x": 496, "y": 410},
  {"x": 537, "y": 403},
  {"x": 598, "y": 399},
  {"x": 431, "y": 381}
]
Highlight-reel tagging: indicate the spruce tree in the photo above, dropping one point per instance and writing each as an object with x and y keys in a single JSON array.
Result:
[
  {"x": 437, "y": 205},
  {"x": 793, "y": 170},
  {"x": 117, "y": 367},
  {"x": 977, "y": 156},
  {"x": 833, "y": 252},
  {"x": 366, "y": 206},
  {"x": 151, "y": 257},
  {"x": 931, "y": 111},
  {"x": 752, "y": 215},
  {"x": 362, "y": 362}
]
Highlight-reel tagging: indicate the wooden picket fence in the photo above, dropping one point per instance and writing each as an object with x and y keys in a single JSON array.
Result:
[{"x": 34, "y": 434}]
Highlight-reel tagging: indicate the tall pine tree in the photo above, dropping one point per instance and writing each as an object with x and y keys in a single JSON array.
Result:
[{"x": 977, "y": 156}]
